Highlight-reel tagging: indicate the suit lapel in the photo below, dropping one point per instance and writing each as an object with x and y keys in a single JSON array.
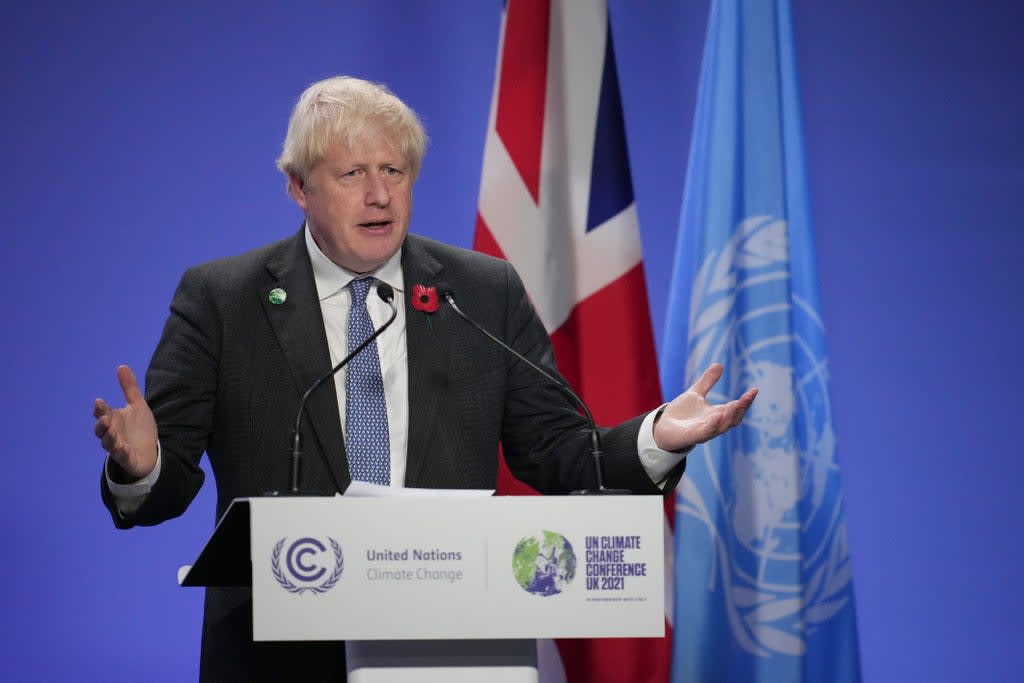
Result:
[
  {"x": 299, "y": 326},
  {"x": 427, "y": 340}
]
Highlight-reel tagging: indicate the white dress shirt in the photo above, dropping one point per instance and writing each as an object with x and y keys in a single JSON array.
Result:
[{"x": 335, "y": 300}]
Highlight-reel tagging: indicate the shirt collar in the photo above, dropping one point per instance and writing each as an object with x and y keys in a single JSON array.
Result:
[{"x": 331, "y": 278}]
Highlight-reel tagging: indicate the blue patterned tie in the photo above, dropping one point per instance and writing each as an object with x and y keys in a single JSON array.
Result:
[{"x": 366, "y": 414}]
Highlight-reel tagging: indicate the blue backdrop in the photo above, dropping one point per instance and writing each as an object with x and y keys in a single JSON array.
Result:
[{"x": 141, "y": 139}]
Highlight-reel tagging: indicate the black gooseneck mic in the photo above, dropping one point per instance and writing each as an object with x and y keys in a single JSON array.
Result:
[
  {"x": 595, "y": 435},
  {"x": 387, "y": 295}
]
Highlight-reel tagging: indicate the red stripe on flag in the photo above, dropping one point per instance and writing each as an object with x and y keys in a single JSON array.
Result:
[
  {"x": 484, "y": 241},
  {"x": 524, "y": 74},
  {"x": 606, "y": 350}
]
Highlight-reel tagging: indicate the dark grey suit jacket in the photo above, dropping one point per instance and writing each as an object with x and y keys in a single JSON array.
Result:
[{"x": 231, "y": 366}]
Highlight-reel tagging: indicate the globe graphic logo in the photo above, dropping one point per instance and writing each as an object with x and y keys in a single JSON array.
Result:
[{"x": 544, "y": 565}]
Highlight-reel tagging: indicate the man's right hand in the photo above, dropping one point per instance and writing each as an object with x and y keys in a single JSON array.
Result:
[{"x": 128, "y": 434}]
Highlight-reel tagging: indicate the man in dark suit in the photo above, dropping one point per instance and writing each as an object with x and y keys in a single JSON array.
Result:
[{"x": 245, "y": 338}]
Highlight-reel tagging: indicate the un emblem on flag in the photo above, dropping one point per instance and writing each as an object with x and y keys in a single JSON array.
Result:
[{"x": 768, "y": 492}]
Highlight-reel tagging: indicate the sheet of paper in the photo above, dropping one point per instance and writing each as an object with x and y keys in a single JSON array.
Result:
[{"x": 364, "y": 489}]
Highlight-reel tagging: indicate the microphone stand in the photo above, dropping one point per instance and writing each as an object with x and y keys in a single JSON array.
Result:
[
  {"x": 387, "y": 294},
  {"x": 595, "y": 435}
]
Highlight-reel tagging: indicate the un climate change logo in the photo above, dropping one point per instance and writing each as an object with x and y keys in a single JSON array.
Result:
[
  {"x": 307, "y": 562},
  {"x": 780, "y": 550},
  {"x": 545, "y": 565}
]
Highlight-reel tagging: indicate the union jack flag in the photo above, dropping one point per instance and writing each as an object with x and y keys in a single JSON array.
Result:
[{"x": 556, "y": 200}]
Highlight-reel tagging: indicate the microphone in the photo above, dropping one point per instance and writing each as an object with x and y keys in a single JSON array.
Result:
[
  {"x": 387, "y": 295},
  {"x": 595, "y": 435}
]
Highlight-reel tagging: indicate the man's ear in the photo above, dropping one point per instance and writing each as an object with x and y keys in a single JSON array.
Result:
[{"x": 297, "y": 189}]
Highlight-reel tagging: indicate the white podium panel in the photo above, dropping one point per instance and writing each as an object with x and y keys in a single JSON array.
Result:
[
  {"x": 442, "y": 661},
  {"x": 457, "y": 568}
]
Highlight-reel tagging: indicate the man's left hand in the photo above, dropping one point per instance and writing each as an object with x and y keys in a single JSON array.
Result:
[{"x": 690, "y": 420}]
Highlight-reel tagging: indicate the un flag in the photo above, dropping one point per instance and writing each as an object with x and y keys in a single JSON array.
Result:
[{"x": 763, "y": 590}]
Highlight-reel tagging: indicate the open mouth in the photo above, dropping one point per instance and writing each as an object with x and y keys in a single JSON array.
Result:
[{"x": 375, "y": 225}]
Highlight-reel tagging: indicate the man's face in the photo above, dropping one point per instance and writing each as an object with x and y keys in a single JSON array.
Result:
[{"x": 358, "y": 203}]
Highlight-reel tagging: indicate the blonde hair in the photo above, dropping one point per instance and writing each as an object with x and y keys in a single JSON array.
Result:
[{"x": 346, "y": 109}]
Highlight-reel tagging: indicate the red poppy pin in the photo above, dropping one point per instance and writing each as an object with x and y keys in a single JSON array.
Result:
[{"x": 425, "y": 299}]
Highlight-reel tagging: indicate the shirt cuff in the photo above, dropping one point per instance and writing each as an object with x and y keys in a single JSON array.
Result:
[
  {"x": 656, "y": 462},
  {"x": 128, "y": 497}
]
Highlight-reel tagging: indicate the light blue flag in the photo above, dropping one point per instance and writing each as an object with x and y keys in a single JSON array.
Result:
[{"x": 763, "y": 590}]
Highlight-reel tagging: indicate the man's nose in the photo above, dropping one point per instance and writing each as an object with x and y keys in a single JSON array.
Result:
[{"x": 377, "y": 191}]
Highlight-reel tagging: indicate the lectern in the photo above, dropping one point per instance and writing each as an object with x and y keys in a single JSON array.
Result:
[{"x": 442, "y": 588}]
